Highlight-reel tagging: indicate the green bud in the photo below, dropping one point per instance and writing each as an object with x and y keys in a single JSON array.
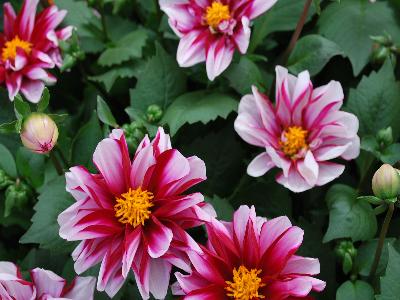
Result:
[
  {"x": 134, "y": 134},
  {"x": 17, "y": 196},
  {"x": 380, "y": 54},
  {"x": 384, "y": 40},
  {"x": 5, "y": 180},
  {"x": 154, "y": 113},
  {"x": 386, "y": 182},
  {"x": 347, "y": 263},
  {"x": 385, "y": 136},
  {"x": 346, "y": 248}
]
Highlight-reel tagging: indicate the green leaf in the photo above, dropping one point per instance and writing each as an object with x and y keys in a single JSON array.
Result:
[
  {"x": 79, "y": 13},
  {"x": 390, "y": 284},
  {"x": 160, "y": 82},
  {"x": 348, "y": 216},
  {"x": 129, "y": 47},
  {"x": 198, "y": 106},
  {"x": 283, "y": 16},
  {"x": 391, "y": 154},
  {"x": 45, "y": 230},
  {"x": 31, "y": 166},
  {"x": 377, "y": 95},
  {"x": 366, "y": 255},
  {"x": 351, "y": 23},
  {"x": 104, "y": 113},
  {"x": 44, "y": 101},
  {"x": 312, "y": 53},
  {"x": 355, "y": 291},
  {"x": 21, "y": 108},
  {"x": 7, "y": 162},
  {"x": 243, "y": 75},
  {"x": 108, "y": 78},
  {"x": 222, "y": 206},
  {"x": 85, "y": 142},
  {"x": 10, "y": 127}
]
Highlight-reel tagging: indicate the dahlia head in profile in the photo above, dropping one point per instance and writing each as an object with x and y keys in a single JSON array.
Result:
[
  {"x": 133, "y": 214},
  {"x": 29, "y": 46},
  {"x": 45, "y": 285},
  {"x": 250, "y": 258},
  {"x": 211, "y": 30},
  {"x": 301, "y": 134}
]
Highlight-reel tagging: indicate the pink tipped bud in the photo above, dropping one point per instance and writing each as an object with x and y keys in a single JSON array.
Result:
[
  {"x": 39, "y": 133},
  {"x": 386, "y": 182}
]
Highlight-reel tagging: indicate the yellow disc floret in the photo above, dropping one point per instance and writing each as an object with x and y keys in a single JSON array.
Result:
[
  {"x": 10, "y": 48},
  {"x": 245, "y": 284},
  {"x": 134, "y": 206},
  {"x": 216, "y": 13},
  {"x": 293, "y": 140}
]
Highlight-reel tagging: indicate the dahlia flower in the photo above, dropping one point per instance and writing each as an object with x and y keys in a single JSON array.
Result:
[
  {"x": 133, "y": 214},
  {"x": 29, "y": 46},
  {"x": 45, "y": 285},
  {"x": 211, "y": 30},
  {"x": 250, "y": 258},
  {"x": 301, "y": 133}
]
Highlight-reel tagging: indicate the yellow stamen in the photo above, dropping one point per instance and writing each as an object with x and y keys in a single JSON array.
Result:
[
  {"x": 294, "y": 139},
  {"x": 10, "y": 48},
  {"x": 245, "y": 284},
  {"x": 134, "y": 207},
  {"x": 216, "y": 13}
]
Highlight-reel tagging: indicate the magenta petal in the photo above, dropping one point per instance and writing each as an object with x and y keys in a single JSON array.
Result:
[
  {"x": 192, "y": 48},
  {"x": 297, "y": 287},
  {"x": 260, "y": 6},
  {"x": 82, "y": 289},
  {"x": 302, "y": 265},
  {"x": 158, "y": 237},
  {"x": 174, "y": 205},
  {"x": 219, "y": 55},
  {"x": 260, "y": 165},
  {"x": 272, "y": 230},
  {"x": 242, "y": 36},
  {"x": 132, "y": 241},
  {"x": 9, "y": 19},
  {"x": 32, "y": 90},
  {"x": 329, "y": 171},
  {"x": 308, "y": 169},
  {"x": 47, "y": 282},
  {"x": 160, "y": 271},
  {"x": 26, "y": 19}
]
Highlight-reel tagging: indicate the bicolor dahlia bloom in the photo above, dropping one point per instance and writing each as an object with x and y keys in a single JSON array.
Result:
[
  {"x": 29, "y": 46},
  {"x": 250, "y": 258},
  {"x": 211, "y": 30},
  {"x": 133, "y": 214},
  {"x": 45, "y": 285},
  {"x": 301, "y": 133}
]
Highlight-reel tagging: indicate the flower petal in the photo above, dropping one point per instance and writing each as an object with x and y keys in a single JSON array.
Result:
[
  {"x": 82, "y": 288},
  {"x": 158, "y": 237},
  {"x": 192, "y": 48},
  {"x": 219, "y": 55},
  {"x": 159, "y": 277},
  {"x": 260, "y": 165},
  {"x": 47, "y": 282}
]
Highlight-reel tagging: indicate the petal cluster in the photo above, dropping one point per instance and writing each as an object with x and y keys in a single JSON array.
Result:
[
  {"x": 29, "y": 46},
  {"x": 133, "y": 214},
  {"x": 301, "y": 134},
  {"x": 211, "y": 30},
  {"x": 45, "y": 285},
  {"x": 250, "y": 258}
]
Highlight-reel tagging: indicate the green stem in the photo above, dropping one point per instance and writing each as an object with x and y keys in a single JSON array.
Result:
[
  {"x": 62, "y": 156},
  {"x": 56, "y": 163},
  {"x": 297, "y": 32},
  {"x": 381, "y": 242}
]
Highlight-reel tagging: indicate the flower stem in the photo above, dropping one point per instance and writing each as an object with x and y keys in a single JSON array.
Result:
[
  {"x": 381, "y": 241},
  {"x": 56, "y": 163},
  {"x": 297, "y": 32}
]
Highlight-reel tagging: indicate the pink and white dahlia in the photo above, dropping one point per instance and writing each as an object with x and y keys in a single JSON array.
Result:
[
  {"x": 301, "y": 133},
  {"x": 250, "y": 258},
  {"x": 133, "y": 214},
  {"x": 45, "y": 285},
  {"x": 211, "y": 30},
  {"x": 29, "y": 46}
]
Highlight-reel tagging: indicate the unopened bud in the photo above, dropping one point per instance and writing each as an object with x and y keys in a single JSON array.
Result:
[
  {"x": 154, "y": 113},
  {"x": 385, "y": 136},
  {"x": 39, "y": 133},
  {"x": 386, "y": 182},
  {"x": 134, "y": 133},
  {"x": 17, "y": 196},
  {"x": 5, "y": 180},
  {"x": 346, "y": 251}
]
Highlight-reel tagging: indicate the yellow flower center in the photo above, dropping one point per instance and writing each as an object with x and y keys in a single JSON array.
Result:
[
  {"x": 10, "y": 48},
  {"x": 245, "y": 284},
  {"x": 293, "y": 140},
  {"x": 216, "y": 13},
  {"x": 134, "y": 206}
]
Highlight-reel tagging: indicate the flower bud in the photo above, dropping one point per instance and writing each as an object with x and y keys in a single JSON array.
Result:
[
  {"x": 39, "y": 133},
  {"x": 346, "y": 251},
  {"x": 17, "y": 196},
  {"x": 386, "y": 182},
  {"x": 154, "y": 113},
  {"x": 5, "y": 180},
  {"x": 385, "y": 136},
  {"x": 134, "y": 133}
]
